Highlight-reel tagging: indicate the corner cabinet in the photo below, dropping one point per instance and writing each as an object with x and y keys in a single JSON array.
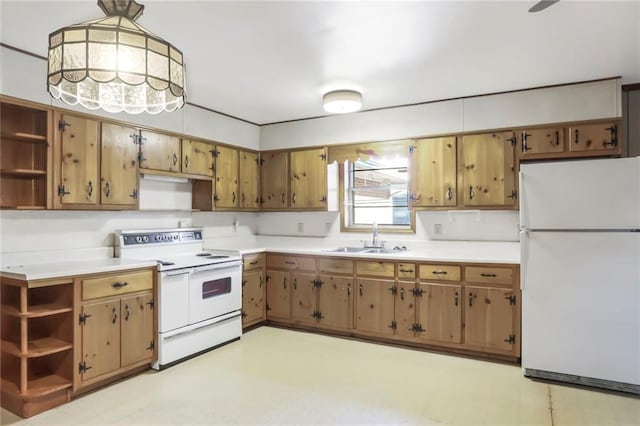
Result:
[
  {"x": 487, "y": 171},
  {"x": 25, "y": 156},
  {"x": 308, "y": 179},
  {"x": 115, "y": 331}
]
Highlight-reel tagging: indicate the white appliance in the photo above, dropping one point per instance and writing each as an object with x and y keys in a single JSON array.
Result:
[
  {"x": 199, "y": 292},
  {"x": 580, "y": 272}
]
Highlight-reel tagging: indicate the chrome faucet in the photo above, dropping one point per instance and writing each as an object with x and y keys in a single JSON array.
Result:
[{"x": 375, "y": 241}]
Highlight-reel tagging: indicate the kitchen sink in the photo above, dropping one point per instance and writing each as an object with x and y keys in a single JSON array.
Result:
[{"x": 362, "y": 250}]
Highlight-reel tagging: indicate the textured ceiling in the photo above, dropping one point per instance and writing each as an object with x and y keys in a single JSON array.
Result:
[{"x": 272, "y": 61}]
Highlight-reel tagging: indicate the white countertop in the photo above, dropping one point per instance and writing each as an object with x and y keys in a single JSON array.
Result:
[
  {"x": 66, "y": 268},
  {"x": 435, "y": 251}
]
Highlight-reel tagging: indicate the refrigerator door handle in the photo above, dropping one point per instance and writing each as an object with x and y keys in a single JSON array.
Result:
[{"x": 524, "y": 254}]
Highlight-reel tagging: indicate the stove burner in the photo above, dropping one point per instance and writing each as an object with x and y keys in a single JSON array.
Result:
[
  {"x": 164, "y": 263},
  {"x": 203, "y": 254},
  {"x": 217, "y": 257}
]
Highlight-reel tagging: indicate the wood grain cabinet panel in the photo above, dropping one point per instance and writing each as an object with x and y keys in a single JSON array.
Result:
[
  {"x": 137, "y": 340},
  {"x": 159, "y": 151},
  {"x": 541, "y": 141},
  {"x": 79, "y": 149},
  {"x": 335, "y": 266},
  {"x": 406, "y": 270},
  {"x": 439, "y": 272},
  {"x": 249, "y": 180},
  {"x": 116, "y": 284},
  {"x": 303, "y": 297},
  {"x": 432, "y": 172},
  {"x": 119, "y": 165},
  {"x": 439, "y": 312},
  {"x": 335, "y": 302},
  {"x": 100, "y": 338},
  {"x": 278, "y": 295},
  {"x": 253, "y": 261},
  {"x": 375, "y": 268},
  {"x": 405, "y": 309},
  {"x": 375, "y": 306},
  {"x": 226, "y": 187},
  {"x": 197, "y": 157},
  {"x": 274, "y": 180},
  {"x": 308, "y": 179},
  {"x": 489, "y": 318},
  {"x": 487, "y": 170},
  {"x": 297, "y": 263},
  {"x": 488, "y": 275},
  {"x": 594, "y": 137},
  {"x": 253, "y": 297}
]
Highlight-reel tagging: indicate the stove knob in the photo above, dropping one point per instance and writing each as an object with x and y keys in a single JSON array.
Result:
[
  {"x": 138, "y": 239},
  {"x": 165, "y": 237},
  {"x": 175, "y": 237},
  {"x": 145, "y": 239},
  {"x": 158, "y": 237}
]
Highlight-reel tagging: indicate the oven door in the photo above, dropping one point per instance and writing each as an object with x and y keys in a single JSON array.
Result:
[{"x": 214, "y": 290}]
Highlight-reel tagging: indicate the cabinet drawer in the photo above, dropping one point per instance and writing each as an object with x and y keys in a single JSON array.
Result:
[
  {"x": 276, "y": 261},
  {"x": 336, "y": 266},
  {"x": 111, "y": 285},
  {"x": 406, "y": 270},
  {"x": 253, "y": 261},
  {"x": 375, "y": 269},
  {"x": 440, "y": 272},
  {"x": 489, "y": 275}
]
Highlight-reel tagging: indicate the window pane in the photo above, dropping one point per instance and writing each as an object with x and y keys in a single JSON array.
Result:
[{"x": 382, "y": 216}]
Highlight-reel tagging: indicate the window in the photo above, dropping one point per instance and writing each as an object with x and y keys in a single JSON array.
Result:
[{"x": 376, "y": 191}]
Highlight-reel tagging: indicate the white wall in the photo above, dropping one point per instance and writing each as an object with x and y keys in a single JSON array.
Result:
[
  {"x": 584, "y": 101},
  {"x": 24, "y": 76}
]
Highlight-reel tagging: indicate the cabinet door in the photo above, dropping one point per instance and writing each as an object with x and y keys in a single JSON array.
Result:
[
  {"x": 159, "y": 152},
  {"x": 278, "y": 295},
  {"x": 100, "y": 338},
  {"x": 273, "y": 180},
  {"x": 440, "y": 312},
  {"x": 432, "y": 170},
  {"x": 249, "y": 180},
  {"x": 226, "y": 177},
  {"x": 374, "y": 306},
  {"x": 594, "y": 137},
  {"x": 335, "y": 302},
  {"x": 541, "y": 141},
  {"x": 137, "y": 329},
  {"x": 119, "y": 165},
  {"x": 308, "y": 175},
  {"x": 488, "y": 170},
  {"x": 303, "y": 297},
  {"x": 197, "y": 158},
  {"x": 489, "y": 315},
  {"x": 253, "y": 297},
  {"x": 79, "y": 161},
  {"x": 405, "y": 309}
]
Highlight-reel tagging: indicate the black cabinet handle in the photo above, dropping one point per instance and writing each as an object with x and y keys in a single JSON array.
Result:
[
  {"x": 89, "y": 189},
  {"x": 449, "y": 193},
  {"x": 282, "y": 198},
  {"x": 455, "y": 298},
  {"x": 119, "y": 284},
  {"x": 487, "y": 275},
  {"x": 186, "y": 161},
  {"x": 439, "y": 272},
  {"x": 107, "y": 189},
  {"x": 360, "y": 289},
  {"x": 471, "y": 193},
  {"x": 471, "y": 297},
  {"x": 114, "y": 316},
  {"x": 406, "y": 270},
  {"x": 127, "y": 312}
]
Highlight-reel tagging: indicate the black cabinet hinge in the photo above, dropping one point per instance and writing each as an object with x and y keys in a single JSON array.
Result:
[
  {"x": 511, "y": 298},
  {"x": 261, "y": 162},
  {"x": 393, "y": 290},
  {"x": 417, "y": 292},
  {"x": 512, "y": 140},
  {"x": 511, "y": 339},
  {"x": 62, "y": 191},
  {"x": 82, "y": 367},
  {"x": 83, "y": 318},
  {"x": 514, "y": 194},
  {"x": 393, "y": 325},
  {"x": 412, "y": 148},
  {"x": 151, "y": 346},
  {"x": 323, "y": 156},
  {"x": 317, "y": 315},
  {"x": 62, "y": 125},
  {"x": 151, "y": 304},
  {"x": 215, "y": 153},
  {"x": 417, "y": 328},
  {"x": 317, "y": 283},
  {"x": 141, "y": 157}
]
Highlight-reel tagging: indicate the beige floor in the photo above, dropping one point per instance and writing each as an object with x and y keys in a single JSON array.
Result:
[{"x": 275, "y": 376}]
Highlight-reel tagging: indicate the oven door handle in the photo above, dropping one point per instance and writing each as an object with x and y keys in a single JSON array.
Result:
[
  {"x": 176, "y": 273},
  {"x": 217, "y": 268}
]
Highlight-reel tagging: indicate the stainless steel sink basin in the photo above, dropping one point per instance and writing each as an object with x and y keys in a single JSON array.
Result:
[
  {"x": 381, "y": 250},
  {"x": 348, "y": 250}
]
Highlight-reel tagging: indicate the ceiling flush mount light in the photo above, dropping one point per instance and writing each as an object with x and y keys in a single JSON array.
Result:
[
  {"x": 114, "y": 64},
  {"x": 342, "y": 101}
]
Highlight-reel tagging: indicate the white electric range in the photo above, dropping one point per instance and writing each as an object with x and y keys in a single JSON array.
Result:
[{"x": 199, "y": 292}]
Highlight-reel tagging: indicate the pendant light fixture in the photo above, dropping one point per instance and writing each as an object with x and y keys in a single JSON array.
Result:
[
  {"x": 114, "y": 64},
  {"x": 342, "y": 101}
]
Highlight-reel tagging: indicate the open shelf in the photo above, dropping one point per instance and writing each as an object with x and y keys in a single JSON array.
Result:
[
  {"x": 37, "y": 310},
  {"x": 37, "y": 347},
  {"x": 38, "y": 386}
]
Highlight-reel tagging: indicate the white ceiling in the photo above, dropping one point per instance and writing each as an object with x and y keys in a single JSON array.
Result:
[{"x": 272, "y": 61}]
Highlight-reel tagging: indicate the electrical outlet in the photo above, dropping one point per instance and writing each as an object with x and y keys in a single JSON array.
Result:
[
  {"x": 328, "y": 226},
  {"x": 300, "y": 227},
  {"x": 437, "y": 229}
]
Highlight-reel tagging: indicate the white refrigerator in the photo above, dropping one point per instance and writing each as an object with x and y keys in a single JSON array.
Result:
[{"x": 580, "y": 272}]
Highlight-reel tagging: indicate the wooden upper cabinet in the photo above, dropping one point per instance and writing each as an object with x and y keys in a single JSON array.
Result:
[
  {"x": 432, "y": 172},
  {"x": 159, "y": 152},
  {"x": 197, "y": 157},
  {"x": 79, "y": 153},
  {"x": 249, "y": 180},
  {"x": 594, "y": 137},
  {"x": 226, "y": 187},
  {"x": 308, "y": 175},
  {"x": 487, "y": 170},
  {"x": 119, "y": 165},
  {"x": 274, "y": 171},
  {"x": 541, "y": 141}
]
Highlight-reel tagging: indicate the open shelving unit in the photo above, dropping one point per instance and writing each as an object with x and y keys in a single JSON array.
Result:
[
  {"x": 25, "y": 147},
  {"x": 36, "y": 344}
]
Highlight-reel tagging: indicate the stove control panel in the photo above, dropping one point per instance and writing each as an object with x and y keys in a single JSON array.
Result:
[{"x": 164, "y": 237}]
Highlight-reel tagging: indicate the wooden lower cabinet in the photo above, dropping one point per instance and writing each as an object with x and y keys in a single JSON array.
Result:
[
  {"x": 303, "y": 297},
  {"x": 253, "y": 297},
  {"x": 439, "y": 312},
  {"x": 278, "y": 295},
  {"x": 405, "y": 309},
  {"x": 116, "y": 325},
  {"x": 375, "y": 306},
  {"x": 335, "y": 302},
  {"x": 489, "y": 318}
]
